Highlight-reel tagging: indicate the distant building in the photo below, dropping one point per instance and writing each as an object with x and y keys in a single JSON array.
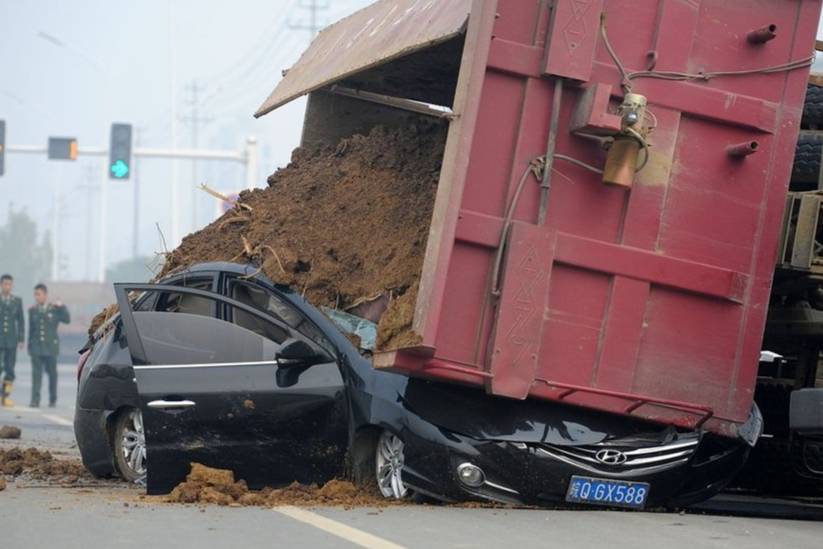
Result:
[{"x": 84, "y": 300}]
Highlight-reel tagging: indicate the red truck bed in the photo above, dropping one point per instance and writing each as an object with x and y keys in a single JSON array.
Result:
[{"x": 648, "y": 300}]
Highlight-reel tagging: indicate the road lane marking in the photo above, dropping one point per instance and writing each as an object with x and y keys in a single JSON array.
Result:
[
  {"x": 28, "y": 410},
  {"x": 20, "y": 409},
  {"x": 58, "y": 420},
  {"x": 343, "y": 531}
]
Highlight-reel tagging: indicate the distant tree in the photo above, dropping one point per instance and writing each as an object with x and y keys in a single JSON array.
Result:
[
  {"x": 22, "y": 254},
  {"x": 136, "y": 269}
]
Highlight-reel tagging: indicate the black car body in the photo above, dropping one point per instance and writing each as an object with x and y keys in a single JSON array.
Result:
[{"x": 277, "y": 393}]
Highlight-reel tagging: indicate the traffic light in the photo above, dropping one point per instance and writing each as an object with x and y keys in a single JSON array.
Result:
[
  {"x": 2, "y": 146},
  {"x": 120, "y": 151},
  {"x": 62, "y": 148}
]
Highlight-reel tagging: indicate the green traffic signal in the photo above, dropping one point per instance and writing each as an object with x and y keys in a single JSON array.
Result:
[
  {"x": 119, "y": 170},
  {"x": 120, "y": 151}
]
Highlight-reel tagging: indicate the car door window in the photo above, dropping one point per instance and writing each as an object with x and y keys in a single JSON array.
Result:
[
  {"x": 264, "y": 300},
  {"x": 187, "y": 303},
  {"x": 186, "y": 337}
]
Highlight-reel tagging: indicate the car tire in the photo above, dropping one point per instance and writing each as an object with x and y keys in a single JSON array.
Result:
[
  {"x": 377, "y": 464},
  {"x": 129, "y": 445}
]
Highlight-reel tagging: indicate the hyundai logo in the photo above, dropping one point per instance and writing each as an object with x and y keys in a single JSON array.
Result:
[{"x": 611, "y": 457}]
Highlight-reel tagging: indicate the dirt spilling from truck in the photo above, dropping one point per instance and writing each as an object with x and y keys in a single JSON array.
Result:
[
  {"x": 345, "y": 225},
  {"x": 206, "y": 485}
]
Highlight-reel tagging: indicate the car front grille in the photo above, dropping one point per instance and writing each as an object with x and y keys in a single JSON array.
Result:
[{"x": 621, "y": 458}]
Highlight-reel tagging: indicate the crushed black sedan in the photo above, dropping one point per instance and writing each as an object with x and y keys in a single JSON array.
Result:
[{"x": 260, "y": 382}]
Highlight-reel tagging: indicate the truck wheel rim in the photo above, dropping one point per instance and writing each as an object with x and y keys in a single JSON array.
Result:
[
  {"x": 134, "y": 443},
  {"x": 389, "y": 466}
]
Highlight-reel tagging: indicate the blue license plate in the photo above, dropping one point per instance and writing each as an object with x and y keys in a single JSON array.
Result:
[{"x": 598, "y": 491}]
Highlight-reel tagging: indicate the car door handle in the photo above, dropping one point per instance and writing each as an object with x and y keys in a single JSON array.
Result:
[{"x": 171, "y": 404}]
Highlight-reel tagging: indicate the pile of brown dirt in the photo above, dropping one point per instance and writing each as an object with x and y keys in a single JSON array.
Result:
[
  {"x": 218, "y": 486},
  {"x": 40, "y": 465},
  {"x": 8, "y": 431},
  {"x": 340, "y": 224}
]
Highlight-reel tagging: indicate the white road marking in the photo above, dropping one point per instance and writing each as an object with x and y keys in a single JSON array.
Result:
[
  {"x": 343, "y": 531},
  {"x": 20, "y": 409},
  {"x": 58, "y": 420}
]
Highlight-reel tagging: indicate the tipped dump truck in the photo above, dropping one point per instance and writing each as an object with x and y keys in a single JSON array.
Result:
[
  {"x": 524, "y": 254},
  {"x": 608, "y": 209}
]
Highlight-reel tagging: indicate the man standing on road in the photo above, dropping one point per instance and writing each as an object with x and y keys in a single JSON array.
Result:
[
  {"x": 44, "y": 344},
  {"x": 11, "y": 336}
]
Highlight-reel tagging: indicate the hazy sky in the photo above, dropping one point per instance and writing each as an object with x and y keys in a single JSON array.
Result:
[{"x": 72, "y": 68}]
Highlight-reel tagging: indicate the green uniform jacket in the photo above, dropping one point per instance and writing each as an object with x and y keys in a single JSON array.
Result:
[
  {"x": 43, "y": 340},
  {"x": 12, "y": 329}
]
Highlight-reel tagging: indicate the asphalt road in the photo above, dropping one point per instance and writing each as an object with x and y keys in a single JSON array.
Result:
[
  {"x": 43, "y": 427},
  {"x": 114, "y": 515}
]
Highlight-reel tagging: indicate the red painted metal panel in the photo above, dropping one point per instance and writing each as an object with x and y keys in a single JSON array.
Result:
[
  {"x": 653, "y": 297},
  {"x": 573, "y": 38},
  {"x": 522, "y": 307}
]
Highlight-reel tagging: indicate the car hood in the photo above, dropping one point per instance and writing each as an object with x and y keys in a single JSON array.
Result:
[{"x": 473, "y": 413}]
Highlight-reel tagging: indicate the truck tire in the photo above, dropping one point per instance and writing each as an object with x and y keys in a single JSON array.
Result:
[
  {"x": 806, "y": 169},
  {"x": 813, "y": 106}
]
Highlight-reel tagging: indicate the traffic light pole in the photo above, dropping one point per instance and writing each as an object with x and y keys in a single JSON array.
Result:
[
  {"x": 147, "y": 152},
  {"x": 248, "y": 156}
]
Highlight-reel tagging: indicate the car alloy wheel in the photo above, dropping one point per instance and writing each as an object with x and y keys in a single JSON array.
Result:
[
  {"x": 389, "y": 466},
  {"x": 130, "y": 445}
]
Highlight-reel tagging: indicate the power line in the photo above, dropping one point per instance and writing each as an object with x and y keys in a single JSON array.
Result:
[
  {"x": 265, "y": 37},
  {"x": 255, "y": 90},
  {"x": 312, "y": 23},
  {"x": 282, "y": 39},
  {"x": 194, "y": 120}
]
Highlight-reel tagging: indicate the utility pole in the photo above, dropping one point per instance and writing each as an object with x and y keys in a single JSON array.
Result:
[
  {"x": 313, "y": 24},
  {"x": 195, "y": 121},
  {"x": 90, "y": 189},
  {"x": 55, "y": 230},
  {"x": 174, "y": 202},
  {"x": 135, "y": 227},
  {"x": 102, "y": 235}
]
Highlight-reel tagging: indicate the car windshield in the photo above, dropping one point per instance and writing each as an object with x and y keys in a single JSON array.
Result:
[{"x": 365, "y": 330}]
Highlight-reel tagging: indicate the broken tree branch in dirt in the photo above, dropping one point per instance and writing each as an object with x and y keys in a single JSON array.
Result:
[{"x": 225, "y": 198}]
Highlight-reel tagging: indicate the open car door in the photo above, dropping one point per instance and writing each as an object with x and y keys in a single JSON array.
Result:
[{"x": 213, "y": 392}]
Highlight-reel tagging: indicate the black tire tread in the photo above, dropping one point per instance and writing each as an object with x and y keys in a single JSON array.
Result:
[
  {"x": 813, "y": 106},
  {"x": 806, "y": 168}
]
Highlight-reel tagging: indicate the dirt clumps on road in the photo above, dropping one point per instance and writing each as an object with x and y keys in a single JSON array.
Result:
[
  {"x": 342, "y": 225},
  {"x": 218, "y": 486},
  {"x": 9, "y": 431},
  {"x": 36, "y": 464}
]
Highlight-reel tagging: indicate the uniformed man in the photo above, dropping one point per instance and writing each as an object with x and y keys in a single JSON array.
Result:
[
  {"x": 11, "y": 336},
  {"x": 44, "y": 345}
]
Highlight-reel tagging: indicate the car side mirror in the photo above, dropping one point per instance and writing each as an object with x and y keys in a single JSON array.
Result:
[{"x": 298, "y": 353}]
